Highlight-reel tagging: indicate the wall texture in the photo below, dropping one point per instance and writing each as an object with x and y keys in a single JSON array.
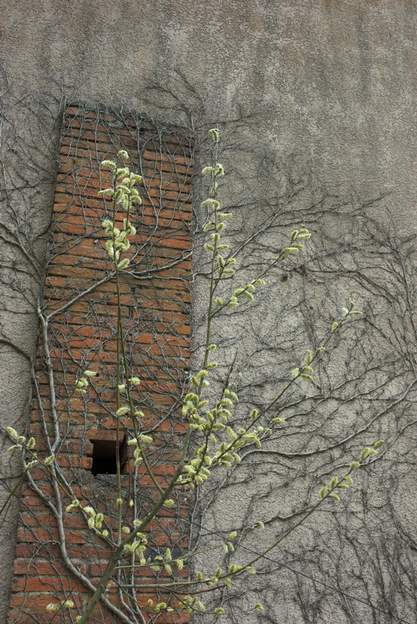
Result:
[
  {"x": 335, "y": 80},
  {"x": 330, "y": 83}
]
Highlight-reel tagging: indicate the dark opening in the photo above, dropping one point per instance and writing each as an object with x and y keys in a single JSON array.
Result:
[{"x": 104, "y": 456}]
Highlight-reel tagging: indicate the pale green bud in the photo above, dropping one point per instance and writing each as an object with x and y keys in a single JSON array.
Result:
[
  {"x": 73, "y": 505},
  {"x": 12, "y": 433},
  {"x": 123, "y": 155},
  {"x": 145, "y": 439},
  {"x": 123, "y": 264},
  {"x": 210, "y": 203},
  {"x": 135, "y": 178},
  {"x": 107, "y": 225},
  {"x": 169, "y": 503},
  {"x": 99, "y": 519},
  {"x": 108, "y": 164},
  {"x": 323, "y": 491},
  {"x": 214, "y": 135},
  {"x": 378, "y": 443},
  {"x": 106, "y": 193},
  {"x": 31, "y": 464}
]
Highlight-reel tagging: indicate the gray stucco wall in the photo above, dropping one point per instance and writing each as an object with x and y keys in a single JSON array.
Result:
[{"x": 334, "y": 81}]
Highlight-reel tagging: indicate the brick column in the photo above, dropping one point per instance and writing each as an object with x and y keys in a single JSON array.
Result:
[{"x": 155, "y": 304}]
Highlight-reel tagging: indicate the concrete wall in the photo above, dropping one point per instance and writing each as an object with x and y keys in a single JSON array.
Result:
[
  {"x": 337, "y": 78},
  {"x": 331, "y": 80}
]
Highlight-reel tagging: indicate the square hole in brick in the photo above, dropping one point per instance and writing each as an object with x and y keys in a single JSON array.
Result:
[{"x": 105, "y": 456}]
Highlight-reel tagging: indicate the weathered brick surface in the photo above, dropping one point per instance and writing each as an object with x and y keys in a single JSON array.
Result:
[{"x": 155, "y": 304}]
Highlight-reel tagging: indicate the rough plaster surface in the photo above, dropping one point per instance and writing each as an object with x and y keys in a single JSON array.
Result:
[{"x": 332, "y": 80}]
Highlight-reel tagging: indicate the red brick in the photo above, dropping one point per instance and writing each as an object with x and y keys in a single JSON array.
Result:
[{"x": 156, "y": 314}]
